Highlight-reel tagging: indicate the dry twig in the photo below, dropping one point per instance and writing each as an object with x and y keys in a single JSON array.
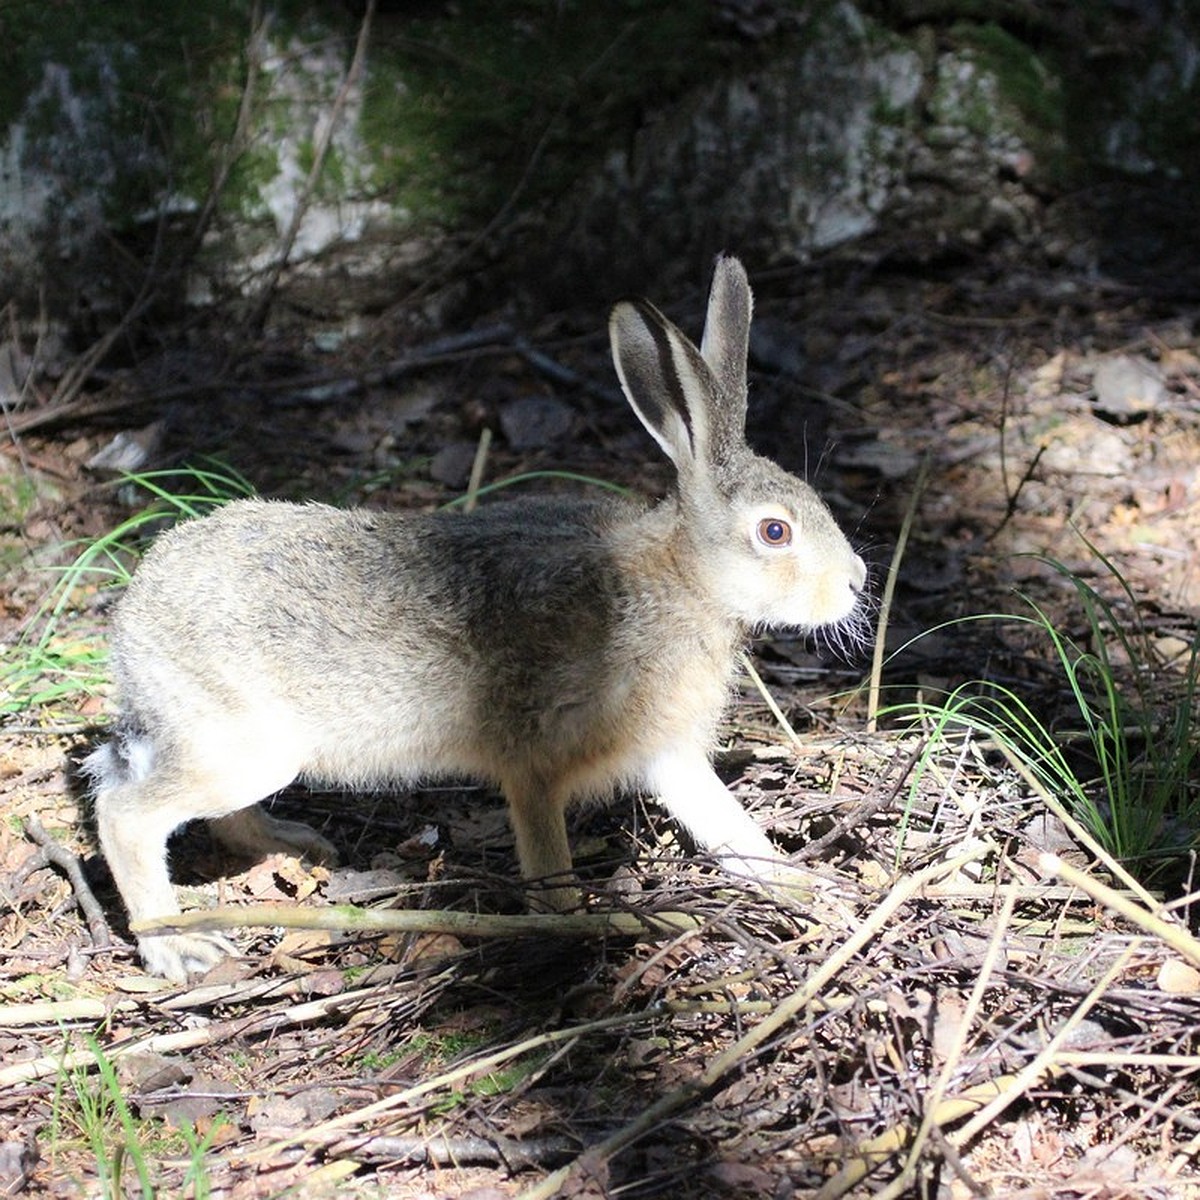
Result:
[
  {"x": 889, "y": 590},
  {"x": 747, "y": 1045},
  {"x": 59, "y": 856}
]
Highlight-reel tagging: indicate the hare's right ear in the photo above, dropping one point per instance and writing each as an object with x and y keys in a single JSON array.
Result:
[
  {"x": 665, "y": 379},
  {"x": 726, "y": 342}
]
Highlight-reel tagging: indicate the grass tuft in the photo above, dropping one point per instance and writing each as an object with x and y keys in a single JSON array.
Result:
[
  {"x": 1128, "y": 768},
  {"x": 97, "y": 1117}
]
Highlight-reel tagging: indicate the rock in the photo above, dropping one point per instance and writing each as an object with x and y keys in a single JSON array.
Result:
[
  {"x": 1101, "y": 450},
  {"x": 532, "y": 422},
  {"x": 17, "y": 1161},
  {"x": 786, "y": 130},
  {"x": 1126, "y": 386},
  {"x": 130, "y": 450},
  {"x": 451, "y": 465}
]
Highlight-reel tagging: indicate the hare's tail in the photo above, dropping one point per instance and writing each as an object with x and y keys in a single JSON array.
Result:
[{"x": 125, "y": 758}]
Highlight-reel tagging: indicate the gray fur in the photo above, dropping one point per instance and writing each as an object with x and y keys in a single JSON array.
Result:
[{"x": 557, "y": 648}]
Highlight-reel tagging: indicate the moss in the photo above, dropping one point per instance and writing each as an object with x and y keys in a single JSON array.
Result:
[
  {"x": 154, "y": 88},
  {"x": 1022, "y": 78}
]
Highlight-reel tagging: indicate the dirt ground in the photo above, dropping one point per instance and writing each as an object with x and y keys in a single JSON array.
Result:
[{"x": 944, "y": 1019}]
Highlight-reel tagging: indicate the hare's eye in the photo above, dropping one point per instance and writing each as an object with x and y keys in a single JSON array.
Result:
[{"x": 772, "y": 532}]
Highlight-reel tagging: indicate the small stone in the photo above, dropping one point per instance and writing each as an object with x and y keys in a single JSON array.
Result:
[
  {"x": 17, "y": 1161},
  {"x": 451, "y": 465},
  {"x": 1178, "y": 978},
  {"x": 1126, "y": 386},
  {"x": 531, "y": 422},
  {"x": 130, "y": 450}
]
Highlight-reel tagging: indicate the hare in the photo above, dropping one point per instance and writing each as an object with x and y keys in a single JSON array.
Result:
[{"x": 560, "y": 648}]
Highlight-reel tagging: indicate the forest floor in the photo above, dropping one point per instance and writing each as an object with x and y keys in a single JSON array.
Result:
[{"x": 957, "y": 1022}]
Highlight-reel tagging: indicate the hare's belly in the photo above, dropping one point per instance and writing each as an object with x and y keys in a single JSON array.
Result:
[
  {"x": 586, "y": 745},
  {"x": 393, "y": 734}
]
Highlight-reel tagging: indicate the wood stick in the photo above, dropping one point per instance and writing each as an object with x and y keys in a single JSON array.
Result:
[{"x": 344, "y": 917}]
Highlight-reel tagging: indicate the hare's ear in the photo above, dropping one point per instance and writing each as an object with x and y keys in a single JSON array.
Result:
[
  {"x": 666, "y": 381},
  {"x": 726, "y": 341}
]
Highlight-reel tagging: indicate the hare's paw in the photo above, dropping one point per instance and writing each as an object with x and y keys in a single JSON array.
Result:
[
  {"x": 181, "y": 956},
  {"x": 257, "y": 834},
  {"x": 793, "y": 887},
  {"x": 773, "y": 874},
  {"x": 556, "y": 899}
]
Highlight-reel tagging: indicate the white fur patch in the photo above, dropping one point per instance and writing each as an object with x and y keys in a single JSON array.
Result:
[
  {"x": 128, "y": 757},
  {"x": 138, "y": 752}
]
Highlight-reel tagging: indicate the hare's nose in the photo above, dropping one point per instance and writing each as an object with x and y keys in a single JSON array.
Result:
[{"x": 858, "y": 575}]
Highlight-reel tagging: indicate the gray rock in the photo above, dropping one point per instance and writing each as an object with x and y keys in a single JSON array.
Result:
[
  {"x": 17, "y": 1161},
  {"x": 451, "y": 465},
  {"x": 531, "y": 422},
  {"x": 1126, "y": 386}
]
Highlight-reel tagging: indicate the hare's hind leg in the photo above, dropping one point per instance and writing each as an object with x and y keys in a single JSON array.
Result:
[
  {"x": 142, "y": 795},
  {"x": 537, "y": 812}
]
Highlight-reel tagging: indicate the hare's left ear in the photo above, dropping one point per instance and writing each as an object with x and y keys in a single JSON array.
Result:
[
  {"x": 726, "y": 343},
  {"x": 666, "y": 381}
]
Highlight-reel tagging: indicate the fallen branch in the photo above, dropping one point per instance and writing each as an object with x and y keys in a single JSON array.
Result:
[
  {"x": 314, "y": 388},
  {"x": 443, "y": 1151},
  {"x": 564, "y": 376},
  {"x": 350, "y": 917},
  {"x": 58, "y": 1012},
  {"x": 205, "y": 995},
  {"x": 214, "y": 1033},
  {"x": 323, "y": 388}
]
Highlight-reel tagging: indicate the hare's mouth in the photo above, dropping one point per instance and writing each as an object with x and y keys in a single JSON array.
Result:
[{"x": 833, "y": 603}]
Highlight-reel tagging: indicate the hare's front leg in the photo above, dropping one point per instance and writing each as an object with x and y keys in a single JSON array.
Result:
[
  {"x": 537, "y": 811},
  {"x": 692, "y": 792}
]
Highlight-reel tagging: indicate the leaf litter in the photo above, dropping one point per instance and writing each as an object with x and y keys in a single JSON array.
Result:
[{"x": 963, "y": 1008}]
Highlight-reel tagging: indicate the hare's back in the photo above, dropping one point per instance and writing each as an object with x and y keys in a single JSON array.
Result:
[
  {"x": 309, "y": 592},
  {"x": 246, "y": 567}
]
